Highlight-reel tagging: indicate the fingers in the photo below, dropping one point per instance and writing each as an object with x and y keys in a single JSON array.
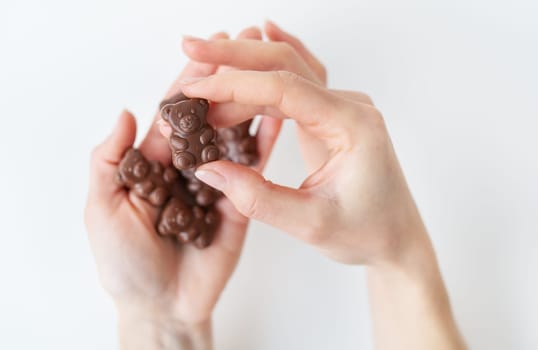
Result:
[
  {"x": 253, "y": 33},
  {"x": 324, "y": 114},
  {"x": 266, "y": 137},
  {"x": 225, "y": 114},
  {"x": 249, "y": 55},
  {"x": 354, "y": 96},
  {"x": 154, "y": 146},
  {"x": 291, "y": 210},
  {"x": 106, "y": 157},
  {"x": 274, "y": 33},
  {"x": 196, "y": 69}
]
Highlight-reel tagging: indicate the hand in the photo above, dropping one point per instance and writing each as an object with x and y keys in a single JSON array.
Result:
[
  {"x": 162, "y": 290},
  {"x": 287, "y": 54},
  {"x": 283, "y": 52},
  {"x": 356, "y": 208}
]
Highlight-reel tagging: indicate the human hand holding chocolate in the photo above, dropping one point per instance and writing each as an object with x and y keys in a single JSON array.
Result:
[
  {"x": 354, "y": 207},
  {"x": 164, "y": 291}
]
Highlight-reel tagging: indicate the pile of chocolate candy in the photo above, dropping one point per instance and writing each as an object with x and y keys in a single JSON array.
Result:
[{"x": 187, "y": 205}]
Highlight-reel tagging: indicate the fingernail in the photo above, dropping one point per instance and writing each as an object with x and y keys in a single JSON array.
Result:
[
  {"x": 212, "y": 178},
  {"x": 190, "y": 80},
  {"x": 191, "y": 38}
]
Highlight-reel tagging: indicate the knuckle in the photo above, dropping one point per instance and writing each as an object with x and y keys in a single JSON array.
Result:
[
  {"x": 283, "y": 80},
  {"x": 376, "y": 119},
  {"x": 250, "y": 207},
  {"x": 287, "y": 78},
  {"x": 375, "y": 128},
  {"x": 367, "y": 99},
  {"x": 251, "y": 204},
  {"x": 367, "y": 114},
  {"x": 361, "y": 97},
  {"x": 358, "y": 120}
]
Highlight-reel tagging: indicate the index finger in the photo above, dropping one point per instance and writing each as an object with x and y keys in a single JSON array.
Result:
[{"x": 323, "y": 113}]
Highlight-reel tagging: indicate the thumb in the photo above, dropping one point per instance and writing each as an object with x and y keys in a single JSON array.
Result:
[
  {"x": 295, "y": 211},
  {"x": 106, "y": 157},
  {"x": 121, "y": 138}
]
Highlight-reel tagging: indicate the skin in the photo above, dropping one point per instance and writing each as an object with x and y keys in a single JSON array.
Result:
[
  {"x": 354, "y": 207},
  {"x": 164, "y": 293}
]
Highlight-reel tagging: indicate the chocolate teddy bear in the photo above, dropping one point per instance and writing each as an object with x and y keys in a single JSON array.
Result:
[
  {"x": 165, "y": 188},
  {"x": 148, "y": 179},
  {"x": 193, "y": 140},
  {"x": 188, "y": 223},
  {"x": 204, "y": 195},
  {"x": 238, "y": 145},
  {"x": 186, "y": 203}
]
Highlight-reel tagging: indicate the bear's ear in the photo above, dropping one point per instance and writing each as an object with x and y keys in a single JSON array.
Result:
[{"x": 165, "y": 112}]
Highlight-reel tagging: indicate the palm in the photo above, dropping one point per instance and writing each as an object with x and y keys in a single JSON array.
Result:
[{"x": 136, "y": 263}]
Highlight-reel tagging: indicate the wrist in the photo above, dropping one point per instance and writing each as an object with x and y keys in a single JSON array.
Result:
[
  {"x": 407, "y": 293},
  {"x": 150, "y": 328},
  {"x": 413, "y": 262},
  {"x": 407, "y": 245}
]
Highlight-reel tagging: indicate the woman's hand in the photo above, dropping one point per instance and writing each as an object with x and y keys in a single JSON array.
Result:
[
  {"x": 356, "y": 208},
  {"x": 339, "y": 155},
  {"x": 283, "y": 52},
  {"x": 165, "y": 293}
]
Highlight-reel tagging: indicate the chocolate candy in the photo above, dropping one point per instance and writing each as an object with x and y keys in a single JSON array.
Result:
[
  {"x": 173, "y": 99},
  {"x": 192, "y": 140},
  {"x": 148, "y": 179},
  {"x": 238, "y": 145},
  {"x": 166, "y": 189},
  {"x": 188, "y": 223},
  {"x": 204, "y": 195},
  {"x": 186, "y": 204}
]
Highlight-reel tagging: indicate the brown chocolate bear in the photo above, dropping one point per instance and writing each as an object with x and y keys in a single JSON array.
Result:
[
  {"x": 148, "y": 179},
  {"x": 204, "y": 195},
  {"x": 188, "y": 223},
  {"x": 238, "y": 145},
  {"x": 166, "y": 189},
  {"x": 193, "y": 140}
]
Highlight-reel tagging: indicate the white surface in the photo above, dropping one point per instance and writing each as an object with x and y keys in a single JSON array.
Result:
[{"x": 457, "y": 82}]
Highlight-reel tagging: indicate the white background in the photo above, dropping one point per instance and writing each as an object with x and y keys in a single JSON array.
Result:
[{"x": 457, "y": 82}]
